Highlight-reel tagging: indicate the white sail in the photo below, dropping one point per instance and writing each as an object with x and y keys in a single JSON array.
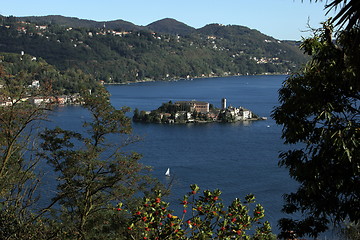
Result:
[{"x": 167, "y": 172}]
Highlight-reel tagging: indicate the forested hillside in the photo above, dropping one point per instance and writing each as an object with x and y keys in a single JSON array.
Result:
[
  {"x": 27, "y": 69},
  {"x": 126, "y": 52}
]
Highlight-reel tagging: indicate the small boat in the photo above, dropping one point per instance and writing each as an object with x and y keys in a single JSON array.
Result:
[{"x": 167, "y": 172}]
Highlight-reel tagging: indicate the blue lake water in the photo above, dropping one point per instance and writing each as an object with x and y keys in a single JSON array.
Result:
[{"x": 238, "y": 158}]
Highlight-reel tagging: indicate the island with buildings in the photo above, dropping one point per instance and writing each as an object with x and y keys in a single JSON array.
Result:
[{"x": 194, "y": 112}]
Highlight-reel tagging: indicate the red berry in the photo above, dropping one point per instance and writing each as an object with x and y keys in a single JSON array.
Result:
[
  {"x": 184, "y": 211},
  {"x": 233, "y": 220},
  {"x": 215, "y": 198},
  {"x": 157, "y": 200},
  {"x": 118, "y": 209}
]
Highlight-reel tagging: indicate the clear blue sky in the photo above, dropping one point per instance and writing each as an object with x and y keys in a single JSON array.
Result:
[{"x": 282, "y": 19}]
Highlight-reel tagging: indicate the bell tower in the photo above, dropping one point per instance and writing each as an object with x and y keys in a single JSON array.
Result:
[{"x": 223, "y": 103}]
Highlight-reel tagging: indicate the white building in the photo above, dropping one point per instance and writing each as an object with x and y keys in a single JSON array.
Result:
[
  {"x": 239, "y": 114},
  {"x": 35, "y": 84}
]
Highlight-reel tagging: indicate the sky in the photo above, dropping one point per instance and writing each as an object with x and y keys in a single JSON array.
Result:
[{"x": 281, "y": 19}]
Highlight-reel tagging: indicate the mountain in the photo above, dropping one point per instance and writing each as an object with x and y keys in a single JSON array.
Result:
[
  {"x": 83, "y": 23},
  {"x": 165, "y": 26},
  {"x": 170, "y": 26},
  {"x": 164, "y": 50},
  {"x": 230, "y": 31}
]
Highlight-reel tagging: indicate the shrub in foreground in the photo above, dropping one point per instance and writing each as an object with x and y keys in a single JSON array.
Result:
[{"x": 204, "y": 217}]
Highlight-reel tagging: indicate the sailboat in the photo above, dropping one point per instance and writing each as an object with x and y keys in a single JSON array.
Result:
[{"x": 167, "y": 172}]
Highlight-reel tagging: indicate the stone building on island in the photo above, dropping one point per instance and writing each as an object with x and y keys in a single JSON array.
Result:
[{"x": 198, "y": 106}]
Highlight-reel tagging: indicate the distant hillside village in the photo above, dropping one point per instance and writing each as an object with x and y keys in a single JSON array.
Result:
[
  {"x": 194, "y": 112},
  {"x": 36, "y": 100}
]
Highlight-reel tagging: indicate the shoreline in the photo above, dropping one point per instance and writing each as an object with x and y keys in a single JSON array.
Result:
[
  {"x": 190, "y": 79},
  {"x": 203, "y": 122}
]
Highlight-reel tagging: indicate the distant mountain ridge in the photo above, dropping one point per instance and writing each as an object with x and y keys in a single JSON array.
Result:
[
  {"x": 84, "y": 23},
  {"x": 171, "y": 26},
  {"x": 164, "y": 26},
  {"x": 226, "y": 31},
  {"x": 120, "y": 51}
]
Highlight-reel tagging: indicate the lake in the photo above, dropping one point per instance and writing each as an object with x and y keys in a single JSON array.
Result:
[{"x": 238, "y": 158}]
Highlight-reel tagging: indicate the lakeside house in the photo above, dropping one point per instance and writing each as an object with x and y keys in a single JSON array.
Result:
[
  {"x": 39, "y": 100},
  {"x": 237, "y": 114}
]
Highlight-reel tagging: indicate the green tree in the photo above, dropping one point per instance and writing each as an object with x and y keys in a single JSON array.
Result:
[
  {"x": 320, "y": 112},
  {"x": 136, "y": 114},
  {"x": 94, "y": 172},
  {"x": 350, "y": 231},
  {"x": 19, "y": 120}
]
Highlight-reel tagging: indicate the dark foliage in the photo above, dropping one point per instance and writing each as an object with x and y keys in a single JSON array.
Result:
[
  {"x": 320, "y": 109},
  {"x": 30, "y": 69}
]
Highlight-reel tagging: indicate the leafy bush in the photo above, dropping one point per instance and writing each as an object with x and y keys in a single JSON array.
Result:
[{"x": 204, "y": 217}]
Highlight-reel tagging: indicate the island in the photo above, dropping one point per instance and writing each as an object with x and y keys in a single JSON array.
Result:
[{"x": 194, "y": 112}]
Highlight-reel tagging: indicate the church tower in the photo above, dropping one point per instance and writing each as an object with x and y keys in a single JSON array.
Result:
[{"x": 223, "y": 103}]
